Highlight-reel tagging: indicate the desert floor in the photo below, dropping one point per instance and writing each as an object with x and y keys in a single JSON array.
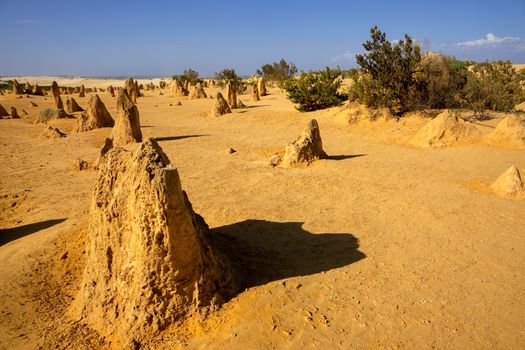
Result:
[{"x": 381, "y": 246}]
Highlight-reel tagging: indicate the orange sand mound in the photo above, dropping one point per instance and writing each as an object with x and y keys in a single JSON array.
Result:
[
  {"x": 510, "y": 132},
  {"x": 445, "y": 130}
]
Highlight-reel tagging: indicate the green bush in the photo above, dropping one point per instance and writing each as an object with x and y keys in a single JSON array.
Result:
[
  {"x": 396, "y": 76},
  {"x": 493, "y": 86},
  {"x": 6, "y": 85},
  {"x": 521, "y": 75},
  {"x": 387, "y": 76},
  {"x": 228, "y": 74},
  {"x": 277, "y": 71},
  {"x": 189, "y": 75},
  {"x": 440, "y": 81},
  {"x": 315, "y": 90}
]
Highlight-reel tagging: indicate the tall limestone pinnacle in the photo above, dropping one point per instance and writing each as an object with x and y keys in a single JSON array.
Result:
[
  {"x": 127, "y": 122},
  {"x": 149, "y": 261}
]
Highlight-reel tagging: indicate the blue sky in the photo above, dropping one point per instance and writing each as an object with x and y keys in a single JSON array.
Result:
[{"x": 94, "y": 38}]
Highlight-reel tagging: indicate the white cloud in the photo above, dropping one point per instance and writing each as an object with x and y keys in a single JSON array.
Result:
[
  {"x": 345, "y": 56},
  {"x": 493, "y": 41}
]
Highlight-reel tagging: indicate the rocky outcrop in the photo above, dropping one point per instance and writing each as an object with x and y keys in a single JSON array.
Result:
[
  {"x": 3, "y": 112},
  {"x": 197, "y": 92},
  {"x": 55, "y": 89},
  {"x": 96, "y": 116},
  {"x": 220, "y": 106},
  {"x": 111, "y": 91},
  {"x": 261, "y": 86},
  {"x": 255, "y": 93},
  {"x": 37, "y": 90},
  {"x": 14, "y": 113},
  {"x": 307, "y": 148},
  {"x": 82, "y": 92},
  {"x": 58, "y": 102},
  {"x": 17, "y": 88},
  {"x": 28, "y": 89},
  {"x": 509, "y": 184},
  {"x": 132, "y": 89},
  {"x": 149, "y": 262},
  {"x": 72, "y": 106},
  {"x": 177, "y": 89},
  {"x": 127, "y": 122},
  {"x": 106, "y": 147},
  {"x": 231, "y": 94},
  {"x": 52, "y": 133}
]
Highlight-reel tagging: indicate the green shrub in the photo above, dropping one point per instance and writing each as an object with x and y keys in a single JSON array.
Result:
[
  {"x": 189, "y": 75},
  {"x": 521, "y": 75},
  {"x": 315, "y": 90},
  {"x": 494, "y": 86},
  {"x": 396, "y": 76},
  {"x": 440, "y": 82},
  {"x": 228, "y": 74},
  {"x": 387, "y": 76},
  {"x": 277, "y": 71},
  {"x": 6, "y": 85}
]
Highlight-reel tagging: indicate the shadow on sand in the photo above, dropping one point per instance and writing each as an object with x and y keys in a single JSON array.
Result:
[
  {"x": 344, "y": 156},
  {"x": 255, "y": 106},
  {"x": 174, "y": 138},
  {"x": 265, "y": 251},
  {"x": 10, "y": 234}
]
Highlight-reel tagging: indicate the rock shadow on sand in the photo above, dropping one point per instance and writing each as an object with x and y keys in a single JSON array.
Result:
[
  {"x": 255, "y": 106},
  {"x": 265, "y": 251},
  {"x": 175, "y": 138},
  {"x": 346, "y": 156},
  {"x": 11, "y": 234}
]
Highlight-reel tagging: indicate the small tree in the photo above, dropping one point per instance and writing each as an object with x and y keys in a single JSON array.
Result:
[
  {"x": 229, "y": 74},
  {"x": 387, "y": 78},
  {"x": 189, "y": 75},
  {"x": 494, "y": 86},
  {"x": 315, "y": 90},
  {"x": 440, "y": 81},
  {"x": 277, "y": 71}
]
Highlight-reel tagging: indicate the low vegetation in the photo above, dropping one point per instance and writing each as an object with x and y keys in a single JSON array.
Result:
[
  {"x": 278, "y": 71},
  {"x": 493, "y": 86},
  {"x": 191, "y": 76},
  {"x": 228, "y": 74},
  {"x": 397, "y": 76},
  {"x": 387, "y": 77},
  {"x": 315, "y": 90}
]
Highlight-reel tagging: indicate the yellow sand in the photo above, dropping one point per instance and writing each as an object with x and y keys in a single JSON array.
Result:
[{"x": 381, "y": 246}]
